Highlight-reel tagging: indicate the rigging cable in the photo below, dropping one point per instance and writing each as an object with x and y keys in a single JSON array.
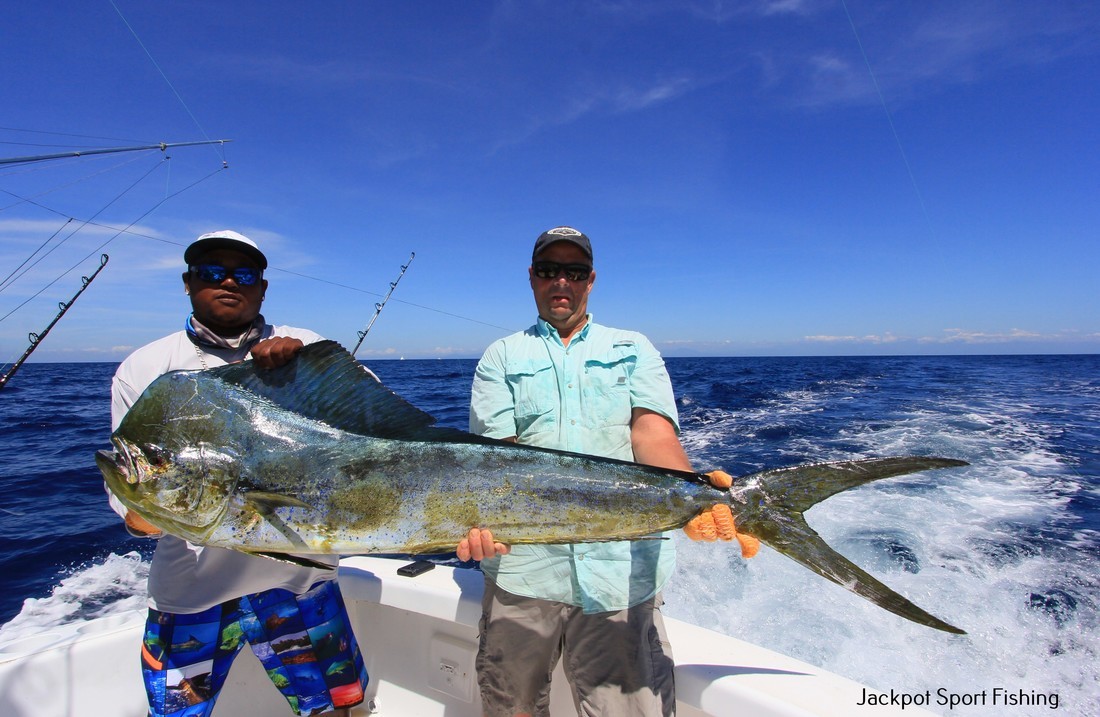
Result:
[
  {"x": 161, "y": 146},
  {"x": 127, "y": 230},
  {"x": 62, "y": 134},
  {"x": 889, "y": 117},
  {"x": 375, "y": 293},
  {"x": 23, "y": 200},
  {"x": 74, "y": 231},
  {"x": 118, "y": 233},
  {"x": 40, "y": 246},
  {"x": 162, "y": 74}
]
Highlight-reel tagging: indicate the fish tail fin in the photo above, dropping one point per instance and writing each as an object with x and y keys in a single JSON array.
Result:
[{"x": 775, "y": 517}]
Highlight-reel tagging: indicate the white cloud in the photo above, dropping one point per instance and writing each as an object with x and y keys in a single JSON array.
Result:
[
  {"x": 787, "y": 7},
  {"x": 634, "y": 99},
  {"x": 378, "y": 353},
  {"x": 984, "y": 337},
  {"x": 959, "y": 336},
  {"x": 887, "y": 338},
  {"x": 923, "y": 49},
  {"x": 580, "y": 104}
]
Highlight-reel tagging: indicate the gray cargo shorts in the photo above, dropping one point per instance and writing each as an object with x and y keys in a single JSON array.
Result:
[{"x": 619, "y": 664}]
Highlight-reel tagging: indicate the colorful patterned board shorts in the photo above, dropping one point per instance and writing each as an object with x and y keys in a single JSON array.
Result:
[{"x": 304, "y": 642}]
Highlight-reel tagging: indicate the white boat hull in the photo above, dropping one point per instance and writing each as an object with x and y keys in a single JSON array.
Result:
[{"x": 419, "y": 639}]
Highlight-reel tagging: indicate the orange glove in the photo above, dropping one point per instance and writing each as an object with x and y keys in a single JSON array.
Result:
[
  {"x": 719, "y": 479},
  {"x": 717, "y": 521}
]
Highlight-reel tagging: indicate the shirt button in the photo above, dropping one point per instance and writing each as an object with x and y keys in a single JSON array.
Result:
[
  {"x": 572, "y": 423},
  {"x": 580, "y": 557}
]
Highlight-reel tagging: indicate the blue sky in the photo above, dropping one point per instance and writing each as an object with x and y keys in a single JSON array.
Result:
[{"x": 783, "y": 177}]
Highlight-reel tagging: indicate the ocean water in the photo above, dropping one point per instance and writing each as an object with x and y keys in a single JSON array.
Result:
[{"x": 1006, "y": 549}]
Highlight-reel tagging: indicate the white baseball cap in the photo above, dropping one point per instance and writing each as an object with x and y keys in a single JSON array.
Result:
[{"x": 224, "y": 239}]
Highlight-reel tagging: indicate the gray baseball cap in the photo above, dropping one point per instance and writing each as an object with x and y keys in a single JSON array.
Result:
[{"x": 557, "y": 234}]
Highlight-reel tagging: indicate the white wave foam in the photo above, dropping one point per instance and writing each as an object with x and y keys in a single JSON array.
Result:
[
  {"x": 114, "y": 586},
  {"x": 980, "y": 537}
]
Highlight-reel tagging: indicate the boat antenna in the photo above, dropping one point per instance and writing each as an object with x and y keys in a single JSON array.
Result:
[
  {"x": 378, "y": 306},
  {"x": 36, "y": 339}
]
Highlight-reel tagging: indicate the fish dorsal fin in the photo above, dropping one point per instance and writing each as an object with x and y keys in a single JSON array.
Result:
[{"x": 327, "y": 384}]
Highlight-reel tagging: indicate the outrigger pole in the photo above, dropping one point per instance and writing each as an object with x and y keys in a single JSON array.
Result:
[
  {"x": 378, "y": 306},
  {"x": 162, "y": 146},
  {"x": 36, "y": 339}
]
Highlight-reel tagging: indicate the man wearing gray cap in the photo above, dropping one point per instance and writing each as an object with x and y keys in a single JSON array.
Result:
[
  {"x": 206, "y": 602},
  {"x": 571, "y": 384}
]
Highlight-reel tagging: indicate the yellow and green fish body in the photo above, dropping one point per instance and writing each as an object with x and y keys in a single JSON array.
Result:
[{"x": 317, "y": 457}]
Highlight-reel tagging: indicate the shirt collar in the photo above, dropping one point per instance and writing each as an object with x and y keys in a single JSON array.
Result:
[{"x": 547, "y": 331}]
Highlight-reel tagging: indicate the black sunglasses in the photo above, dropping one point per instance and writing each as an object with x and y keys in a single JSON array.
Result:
[
  {"x": 215, "y": 274},
  {"x": 551, "y": 269}
]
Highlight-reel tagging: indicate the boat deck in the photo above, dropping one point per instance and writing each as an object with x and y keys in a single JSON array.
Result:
[{"x": 419, "y": 640}]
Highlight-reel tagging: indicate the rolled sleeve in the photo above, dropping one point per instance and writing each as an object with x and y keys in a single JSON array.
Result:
[{"x": 650, "y": 386}]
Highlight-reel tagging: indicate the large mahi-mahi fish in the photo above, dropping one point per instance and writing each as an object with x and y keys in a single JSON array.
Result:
[{"x": 316, "y": 457}]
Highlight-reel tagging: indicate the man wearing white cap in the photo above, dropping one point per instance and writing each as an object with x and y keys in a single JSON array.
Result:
[{"x": 206, "y": 602}]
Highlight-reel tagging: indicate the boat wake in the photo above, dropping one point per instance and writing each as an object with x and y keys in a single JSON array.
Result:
[
  {"x": 113, "y": 586},
  {"x": 996, "y": 549}
]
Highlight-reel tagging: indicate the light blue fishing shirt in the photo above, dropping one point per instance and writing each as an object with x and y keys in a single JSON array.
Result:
[{"x": 576, "y": 398}]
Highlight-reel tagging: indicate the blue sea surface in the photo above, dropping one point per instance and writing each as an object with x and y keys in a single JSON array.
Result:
[{"x": 1006, "y": 549}]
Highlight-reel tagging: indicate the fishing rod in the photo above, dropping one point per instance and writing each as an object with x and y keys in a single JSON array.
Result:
[
  {"x": 162, "y": 146},
  {"x": 378, "y": 306},
  {"x": 36, "y": 339}
]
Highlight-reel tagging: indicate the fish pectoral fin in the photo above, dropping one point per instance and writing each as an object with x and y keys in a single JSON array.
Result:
[
  {"x": 299, "y": 560},
  {"x": 264, "y": 505},
  {"x": 265, "y": 502},
  {"x": 798, "y": 541}
]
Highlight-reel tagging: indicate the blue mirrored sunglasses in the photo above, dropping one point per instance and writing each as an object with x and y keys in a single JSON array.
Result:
[{"x": 216, "y": 274}]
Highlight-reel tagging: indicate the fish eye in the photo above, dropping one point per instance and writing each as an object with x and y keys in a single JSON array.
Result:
[{"x": 155, "y": 455}]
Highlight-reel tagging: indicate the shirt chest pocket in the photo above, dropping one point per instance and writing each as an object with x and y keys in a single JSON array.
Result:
[
  {"x": 534, "y": 387},
  {"x": 607, "y": 386}
]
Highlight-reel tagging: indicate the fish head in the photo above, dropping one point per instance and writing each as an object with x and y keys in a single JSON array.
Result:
[{"x": 185, "y": 492}]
